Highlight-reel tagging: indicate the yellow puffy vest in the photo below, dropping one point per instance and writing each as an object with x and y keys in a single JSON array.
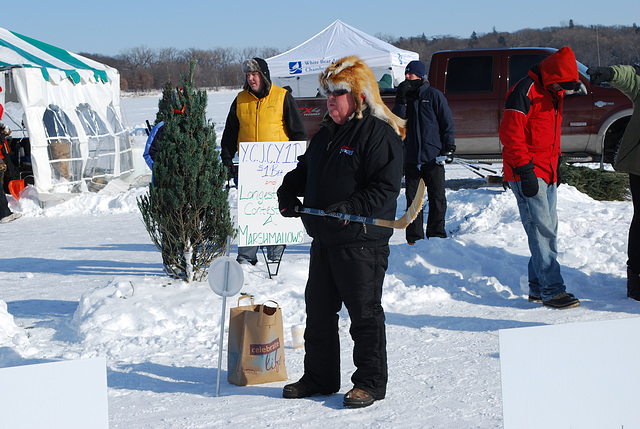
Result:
[{"x": 261, "y": 119}]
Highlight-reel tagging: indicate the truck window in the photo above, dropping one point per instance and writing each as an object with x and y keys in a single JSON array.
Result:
[
  {"x": 470, "y": 75},
  {"x": 519, "y": 66}
]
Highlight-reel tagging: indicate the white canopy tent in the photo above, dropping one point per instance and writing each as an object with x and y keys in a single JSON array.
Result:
[
  {"x": 299, "y": 67},
  {"x": 69, "y": 108}
]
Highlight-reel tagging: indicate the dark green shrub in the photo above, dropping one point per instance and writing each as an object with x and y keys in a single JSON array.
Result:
[{"x": 599, "y": 184}]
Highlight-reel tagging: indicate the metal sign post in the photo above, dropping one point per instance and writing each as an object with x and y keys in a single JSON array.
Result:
[{"x": 225, "y": 279}]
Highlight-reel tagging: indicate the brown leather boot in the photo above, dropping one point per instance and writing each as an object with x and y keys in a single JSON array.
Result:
[{"x": 357, "y": 398}]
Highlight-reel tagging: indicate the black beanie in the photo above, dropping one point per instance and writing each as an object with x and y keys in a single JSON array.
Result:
[{"x": 418, "y": 68}]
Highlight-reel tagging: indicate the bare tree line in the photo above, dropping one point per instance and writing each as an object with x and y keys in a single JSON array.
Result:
[
  {"x": 593, "y": 45},
  {"x": 143, "y": 69}
]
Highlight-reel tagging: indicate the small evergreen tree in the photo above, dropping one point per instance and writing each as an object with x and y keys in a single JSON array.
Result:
[
  {"x": 186, "y": 211},
  {"x": 164, "y": 105},
  {"x": 473, "y": 40}
]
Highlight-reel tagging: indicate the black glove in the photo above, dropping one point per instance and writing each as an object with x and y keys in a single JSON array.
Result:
[
  {"x": 528, "y": 179},
  {"x": 287, "y": 205},
  {"x": 448, "y": 152},
  {"x": 597, "y": 75},
  {"x": 231, "y": 169},
  {"x": 339, "y": 207},
  {"x": 401, "y": 92},
  {"x": 558, "y": 171}
]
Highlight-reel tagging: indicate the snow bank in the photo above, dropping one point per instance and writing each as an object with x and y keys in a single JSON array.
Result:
[
  {"x": 148, "y": 317},
  {"x": 10, "y": 334}
]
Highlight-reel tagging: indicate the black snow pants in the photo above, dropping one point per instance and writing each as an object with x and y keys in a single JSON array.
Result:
[
  {"x": 352, "y": 276},
  {"x": 633, "y": 249},
  {"x": 4, "y": 204},
  {"x": 433, "y": 176}
]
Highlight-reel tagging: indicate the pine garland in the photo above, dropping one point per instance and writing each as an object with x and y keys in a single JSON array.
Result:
[{"x": 599, "y": 184}]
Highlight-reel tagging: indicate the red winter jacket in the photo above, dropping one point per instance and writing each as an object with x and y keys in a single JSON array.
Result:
[{"x": 530, "y": 129}]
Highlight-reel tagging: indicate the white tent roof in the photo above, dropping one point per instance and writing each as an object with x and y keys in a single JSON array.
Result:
[
  {"x": 299, "y": 67},
  {"x": 70, "y": 107}
]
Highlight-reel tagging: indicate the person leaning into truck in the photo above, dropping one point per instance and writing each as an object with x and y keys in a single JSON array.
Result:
[
  {"x": 262, "y": 112},
  {"x": 627, "y": 159},
  {"x": 530, "y": 134},
  {"x": 430, "y": 133}
]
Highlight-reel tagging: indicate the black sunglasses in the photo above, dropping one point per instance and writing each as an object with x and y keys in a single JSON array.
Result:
[
  {"x": 568, "y": 85},
  {"x": 337, "y": 92}
]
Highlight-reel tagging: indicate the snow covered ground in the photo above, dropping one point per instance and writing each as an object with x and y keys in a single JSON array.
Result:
[{"x": 82, "y": 279}]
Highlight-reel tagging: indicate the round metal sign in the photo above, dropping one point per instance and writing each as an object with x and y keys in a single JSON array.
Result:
[{"x": 225, "y": 276}]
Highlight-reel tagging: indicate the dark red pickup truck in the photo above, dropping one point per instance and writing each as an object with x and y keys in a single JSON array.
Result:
[{"x": 475, "y": 83}]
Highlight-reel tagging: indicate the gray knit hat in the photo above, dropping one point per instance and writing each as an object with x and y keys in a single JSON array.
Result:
[{"x": 257, "y": 65}]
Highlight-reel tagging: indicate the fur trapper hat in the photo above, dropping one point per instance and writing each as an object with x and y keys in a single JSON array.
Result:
[
  {"x": 257, "y": 65},
  {"x": 353, "y": 75}
]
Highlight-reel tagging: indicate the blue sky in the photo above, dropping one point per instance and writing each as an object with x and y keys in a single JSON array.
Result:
[{"x": 110, "y": 27}]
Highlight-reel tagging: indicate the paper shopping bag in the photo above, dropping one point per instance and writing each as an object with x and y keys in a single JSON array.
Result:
[{"x": 256, "y": 344}]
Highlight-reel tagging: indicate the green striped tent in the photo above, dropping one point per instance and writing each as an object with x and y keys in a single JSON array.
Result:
[{"x": 69, "y": 108}]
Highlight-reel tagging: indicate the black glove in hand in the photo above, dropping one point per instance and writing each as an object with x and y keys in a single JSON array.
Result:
[
  {"x": 401, "y": 92},
  {"x": 287, "y": 205},
  {"x": 231, "y": 169},
  {"x": 448, "y": 153},
  {"x": 528, "y": 179},
  {"x": 339, "y": 207},
  {"x": 597, "y": 75},
  {"x": 558, "y": 171}
]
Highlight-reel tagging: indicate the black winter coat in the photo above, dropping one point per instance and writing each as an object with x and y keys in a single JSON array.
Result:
[
  {"x": 359, "y": 161},
  {"x": 429, "y": 125}
]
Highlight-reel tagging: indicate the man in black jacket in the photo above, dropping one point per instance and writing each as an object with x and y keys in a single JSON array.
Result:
[
  {"x": 430, "y": 134},
  {"x": 353, "y": 165}
]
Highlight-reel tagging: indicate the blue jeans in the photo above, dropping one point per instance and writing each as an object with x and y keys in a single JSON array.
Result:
[{"x": 540, "y": 221}]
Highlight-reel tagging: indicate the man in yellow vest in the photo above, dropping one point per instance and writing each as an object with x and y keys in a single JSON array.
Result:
[{"x": 262, "y": 112}]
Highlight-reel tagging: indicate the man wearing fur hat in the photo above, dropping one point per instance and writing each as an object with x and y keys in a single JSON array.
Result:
[
  {"x": 430, "y": 134},
  {"x": 530, "y": 133},
  {"x": 262, "y": 112},
  {"x": 352, "y": 165}
]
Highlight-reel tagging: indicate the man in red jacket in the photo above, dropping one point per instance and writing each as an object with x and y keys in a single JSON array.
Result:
[{"x": 530, "y": 133}]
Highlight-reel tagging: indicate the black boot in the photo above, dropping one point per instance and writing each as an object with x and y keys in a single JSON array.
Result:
[{"x": 633, "y": 284}]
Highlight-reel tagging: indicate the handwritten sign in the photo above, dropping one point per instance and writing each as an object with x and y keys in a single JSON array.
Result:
[{"x": 261, "y": 168}]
